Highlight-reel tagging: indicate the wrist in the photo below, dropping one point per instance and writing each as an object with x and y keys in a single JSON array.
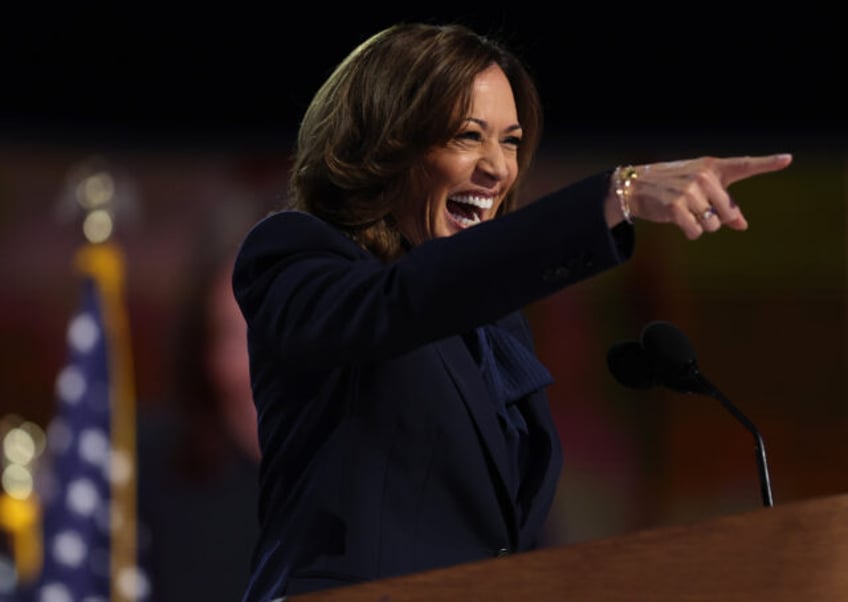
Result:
[{"x": 622, "y": 184}]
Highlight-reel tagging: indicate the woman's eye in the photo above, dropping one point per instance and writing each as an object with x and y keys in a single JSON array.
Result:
[
  {"x": 469, "y": 135},
  {"x": 513, "y": 141}
]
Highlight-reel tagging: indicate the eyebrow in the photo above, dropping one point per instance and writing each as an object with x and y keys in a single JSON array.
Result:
[{"x": 485, "y": 124}]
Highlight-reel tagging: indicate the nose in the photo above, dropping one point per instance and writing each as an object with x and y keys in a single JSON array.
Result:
[{"x": 493, "y": 161}]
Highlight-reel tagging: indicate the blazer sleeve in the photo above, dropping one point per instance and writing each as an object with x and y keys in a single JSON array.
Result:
[{"x": 318, "y": 299}]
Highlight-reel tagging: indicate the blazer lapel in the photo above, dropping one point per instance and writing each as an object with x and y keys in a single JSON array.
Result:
[{"x": 469, "y": 382}]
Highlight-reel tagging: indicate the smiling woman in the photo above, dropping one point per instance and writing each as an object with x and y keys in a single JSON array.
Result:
[
  {"x": 403, "y": 419},
  {"x": 468, "y": 178}
]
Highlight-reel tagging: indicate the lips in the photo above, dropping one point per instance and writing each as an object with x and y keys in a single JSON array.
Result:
[{"x": 468, "y": 210}]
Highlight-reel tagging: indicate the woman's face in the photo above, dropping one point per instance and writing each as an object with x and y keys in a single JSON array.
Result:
[{"x": 467, "y": 179}]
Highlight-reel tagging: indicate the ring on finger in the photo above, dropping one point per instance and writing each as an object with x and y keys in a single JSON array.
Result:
[{"x": 707, "y": 214}]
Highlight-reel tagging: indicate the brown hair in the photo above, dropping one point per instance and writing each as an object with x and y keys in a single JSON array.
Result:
[{"x": 401, "y": 92}]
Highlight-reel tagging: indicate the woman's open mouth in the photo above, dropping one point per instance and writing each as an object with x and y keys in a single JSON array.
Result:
[{"x": 468, "y": 210}]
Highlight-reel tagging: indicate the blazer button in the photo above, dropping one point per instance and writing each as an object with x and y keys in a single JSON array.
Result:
[{"x": 502, "y": 552}]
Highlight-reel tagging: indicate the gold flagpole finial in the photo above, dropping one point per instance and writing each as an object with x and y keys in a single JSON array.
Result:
[
  {"x": 95, "y": 194},
  {"x": 100, "y": 195}
]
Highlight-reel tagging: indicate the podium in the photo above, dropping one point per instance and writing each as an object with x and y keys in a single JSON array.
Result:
[{"x": 795, "y": 552}]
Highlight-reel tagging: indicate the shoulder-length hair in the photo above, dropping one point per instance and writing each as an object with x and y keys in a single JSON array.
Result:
[{"x": 400, "y": 93}]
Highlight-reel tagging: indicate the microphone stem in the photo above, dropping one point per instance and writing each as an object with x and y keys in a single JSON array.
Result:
[{"x": 762, "y": 464}]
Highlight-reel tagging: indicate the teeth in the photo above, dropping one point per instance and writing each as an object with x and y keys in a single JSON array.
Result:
[
  {"x": 465, "y": 221},
  {"x": 483, "y": 202}
]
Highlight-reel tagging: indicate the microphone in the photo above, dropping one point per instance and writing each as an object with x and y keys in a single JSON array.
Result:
[
  {"x": 664, "y": 357},
  {"x": 631, "y": 365}
]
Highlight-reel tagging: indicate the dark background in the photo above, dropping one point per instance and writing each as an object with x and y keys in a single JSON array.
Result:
[{"x": 239, "y": 73}]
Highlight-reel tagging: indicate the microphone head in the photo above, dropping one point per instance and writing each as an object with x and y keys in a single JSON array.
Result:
[
  {"x": 631, "y": 366},
  {"x": 673, "y": 355}
]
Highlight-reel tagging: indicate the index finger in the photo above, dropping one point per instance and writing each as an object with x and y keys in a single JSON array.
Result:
[{"x": 733, "y": 169}]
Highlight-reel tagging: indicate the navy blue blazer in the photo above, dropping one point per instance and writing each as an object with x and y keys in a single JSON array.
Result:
[{"x": 382, "y": 452}]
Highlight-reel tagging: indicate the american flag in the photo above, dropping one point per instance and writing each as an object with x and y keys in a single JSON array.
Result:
[{"x": 88, "y": 482}]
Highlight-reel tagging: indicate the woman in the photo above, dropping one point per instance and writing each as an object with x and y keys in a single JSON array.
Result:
[{"x": 402, "y": 415}]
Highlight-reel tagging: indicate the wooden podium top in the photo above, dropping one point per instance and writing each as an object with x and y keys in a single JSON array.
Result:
[{"x": 794, "y": 552}]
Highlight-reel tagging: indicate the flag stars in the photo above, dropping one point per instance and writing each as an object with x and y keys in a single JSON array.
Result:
[
  {"x": 83, "y": 333},
  {"x": 69, "y": 549},
  {"x": 94, "y": 447},
  {"x": 82, "y": 497},
  {"x": 71, "y": 385},
  {"x": 54, "y": 592},
  {"x": 59, "y": 436}
]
